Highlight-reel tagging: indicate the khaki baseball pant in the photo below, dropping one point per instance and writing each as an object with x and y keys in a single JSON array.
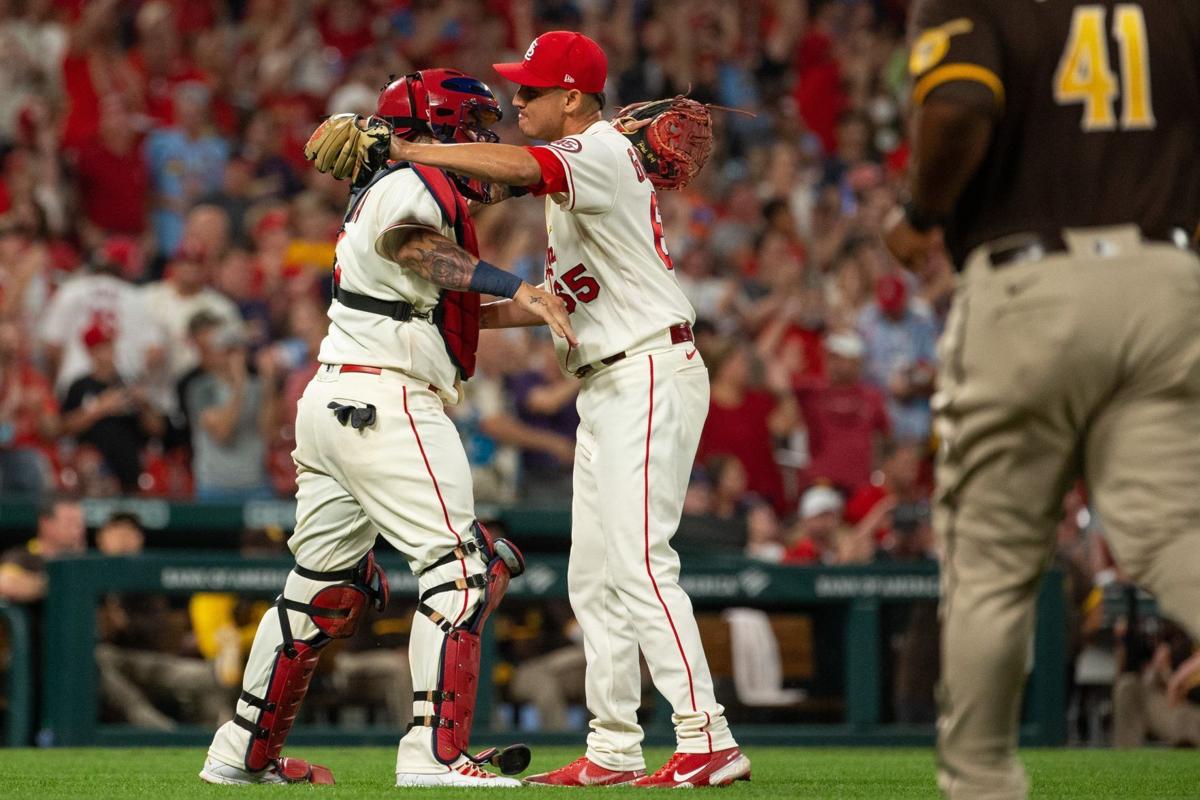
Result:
[
  {"x": 640, "y": 425},
  {"x": 1085, "y": 363},
  {"x": 406, "y": 477}
]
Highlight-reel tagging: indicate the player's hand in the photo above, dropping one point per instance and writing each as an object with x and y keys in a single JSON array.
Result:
[
  {"x": 550, "y": 308},
  {"x": 910, "y": 247}
]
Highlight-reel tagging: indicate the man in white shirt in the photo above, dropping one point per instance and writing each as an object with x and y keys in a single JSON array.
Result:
[
  {"x": 171, "y": 304},
  {"x": 104, "y": 294}
]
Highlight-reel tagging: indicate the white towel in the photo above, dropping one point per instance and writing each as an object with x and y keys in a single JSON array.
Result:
[{"x": 757, "y": 667}]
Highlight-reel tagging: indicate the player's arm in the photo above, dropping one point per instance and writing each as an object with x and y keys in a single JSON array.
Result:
[
  {"x": 496, "y": 163},
  {"x": 443, "y": 263},
  {"x": 957, "y": 95},
  {"x": 950, "y": 140},
  {"x": 507, "y": 314}
]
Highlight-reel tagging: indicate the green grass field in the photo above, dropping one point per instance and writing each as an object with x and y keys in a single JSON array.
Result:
[{"x": 779, "y": 773}]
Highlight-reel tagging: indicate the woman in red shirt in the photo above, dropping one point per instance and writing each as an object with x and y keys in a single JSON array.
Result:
[{"x": 744, "y": 421}]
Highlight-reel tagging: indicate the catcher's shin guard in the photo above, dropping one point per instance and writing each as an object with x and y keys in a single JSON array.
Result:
[
  {"x": 335, "y": 611},
  {"x": 453, "y": 700}
]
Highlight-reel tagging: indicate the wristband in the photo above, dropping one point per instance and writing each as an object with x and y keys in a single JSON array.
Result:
[
  {"x": 490, "y": 279},
  {"x": 919, "y": 219}
]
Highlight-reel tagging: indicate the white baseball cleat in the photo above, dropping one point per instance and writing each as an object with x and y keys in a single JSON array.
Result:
[
  {"x": 464, "y": 773},
  {"x": 218, "y": 772},
  {"x": 284, "y": 770}
]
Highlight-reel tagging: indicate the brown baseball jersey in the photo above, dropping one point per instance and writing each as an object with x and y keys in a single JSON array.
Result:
[{"x": 1098, "y": 112}]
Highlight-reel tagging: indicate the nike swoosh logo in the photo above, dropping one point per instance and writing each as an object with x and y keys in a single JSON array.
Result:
[
  {"x": 689, "y": 355},
  {"x": 680, "y": 778}
]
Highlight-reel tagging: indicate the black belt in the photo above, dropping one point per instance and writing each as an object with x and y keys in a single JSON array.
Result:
[
  {"x": 1037, "y": 246},
  {"x": 679, "y": 333},
  {"x": 399, "y": 310}
]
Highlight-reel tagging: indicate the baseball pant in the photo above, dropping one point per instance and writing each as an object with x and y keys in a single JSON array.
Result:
[
  {"x": 407, "y": 477},
  {"x": 640, "y": 424},
  {"x": 1085, "y": 363}
]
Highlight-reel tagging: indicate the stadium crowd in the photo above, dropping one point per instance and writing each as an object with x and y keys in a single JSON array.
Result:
[{"x": 165, "y": 250}]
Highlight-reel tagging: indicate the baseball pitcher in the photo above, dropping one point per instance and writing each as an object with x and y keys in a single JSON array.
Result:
[{"x": 643, "y": 400}]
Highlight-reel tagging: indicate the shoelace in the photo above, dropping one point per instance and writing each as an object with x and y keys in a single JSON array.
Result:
[
  {"x": 669, "y": 767},
  {"x": 472, "y": 771}
]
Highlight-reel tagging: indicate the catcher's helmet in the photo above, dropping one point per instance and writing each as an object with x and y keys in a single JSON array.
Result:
[{"x": 443, "y": 103}]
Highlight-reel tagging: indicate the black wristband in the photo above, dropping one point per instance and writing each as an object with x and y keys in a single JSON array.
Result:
[
  {"x": 920, "y": 220},
  {"x": 490, "y": 279}
]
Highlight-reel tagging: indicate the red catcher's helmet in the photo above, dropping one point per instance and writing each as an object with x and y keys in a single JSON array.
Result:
[{"x": 443, "y": 103}]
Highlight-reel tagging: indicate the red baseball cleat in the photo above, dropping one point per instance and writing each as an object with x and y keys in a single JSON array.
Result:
[
  {"x": 689, "y": 770},
  {"x": 582, "y": 772}
]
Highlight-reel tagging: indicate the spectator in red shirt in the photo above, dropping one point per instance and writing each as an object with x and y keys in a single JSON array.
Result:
[
  {"x": 94, "y": 67},
  {"x": 898, "y": 482},
  {"x": 744, "y": 421},
  {"x": 813, "y": 539},
  {"x": 112, "y": 176},
  {"x": 160, "y": 60},
  {"x": 819, "y": 93},
  {"x": 846, "y": 418}
]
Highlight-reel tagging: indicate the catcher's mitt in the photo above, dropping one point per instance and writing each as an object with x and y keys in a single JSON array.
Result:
[
  {"x": 672, "y": 137},
  {"x": 349, "y": 146}
]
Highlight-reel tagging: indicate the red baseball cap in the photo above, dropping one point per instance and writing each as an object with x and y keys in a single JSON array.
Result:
[
  {"x": 891, "y": 292},
  {"x": 99, "y": 332},
  {"x": 565, "y": 59}
]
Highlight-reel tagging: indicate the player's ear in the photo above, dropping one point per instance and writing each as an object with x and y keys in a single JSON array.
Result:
[{"x": 573, "y": 101}]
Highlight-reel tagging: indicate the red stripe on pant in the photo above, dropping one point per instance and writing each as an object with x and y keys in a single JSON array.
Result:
[
  {"x": 436, "y": 488},
  {"x": 649, "y": 572}
]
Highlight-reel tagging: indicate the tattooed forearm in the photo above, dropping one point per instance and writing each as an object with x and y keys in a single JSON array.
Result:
[{"x": 437, "y": 260}]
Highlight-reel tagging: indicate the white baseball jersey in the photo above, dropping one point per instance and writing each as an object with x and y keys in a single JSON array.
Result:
[
  {"x": 608, "y": 259},
  {"x": 360, "y": 337},
  {"x": 640, "y": 423}
]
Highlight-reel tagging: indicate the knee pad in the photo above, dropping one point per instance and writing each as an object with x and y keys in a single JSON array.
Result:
[
  {"x": 453, "y": 699},
  {"x": 336, "y": 612}
]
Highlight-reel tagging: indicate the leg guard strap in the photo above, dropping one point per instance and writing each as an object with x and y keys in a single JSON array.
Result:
[
  {"x": 257, "y": 702},
  {"x": 459, "y": 553},
  {"x": 457, "y": 585},
  {"x": 479, "y": 581}
]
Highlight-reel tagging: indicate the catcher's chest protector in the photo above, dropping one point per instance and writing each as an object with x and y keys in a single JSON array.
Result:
[{"x": 457, "y": 313}]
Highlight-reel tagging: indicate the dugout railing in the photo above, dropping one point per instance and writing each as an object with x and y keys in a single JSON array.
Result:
[{"x": 69, "y": 697}]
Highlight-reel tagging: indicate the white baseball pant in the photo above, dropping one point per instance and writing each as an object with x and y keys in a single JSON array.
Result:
[
  {"x": 406, "y": 477},
  {"x": 641, "y": 420}
]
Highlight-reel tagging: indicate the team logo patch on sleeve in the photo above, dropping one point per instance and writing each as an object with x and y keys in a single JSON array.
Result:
[
  {"x": 933, "y": 45},
  {"x": 568, "y": 145}
]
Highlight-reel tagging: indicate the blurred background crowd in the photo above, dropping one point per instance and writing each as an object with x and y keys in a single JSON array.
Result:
[
  {"x": 165, "y": 250},
  {"x": 165, "y": 256}
]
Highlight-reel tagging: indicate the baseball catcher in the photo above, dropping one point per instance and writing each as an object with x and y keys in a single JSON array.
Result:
[{"x": 375, "y": 451}]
